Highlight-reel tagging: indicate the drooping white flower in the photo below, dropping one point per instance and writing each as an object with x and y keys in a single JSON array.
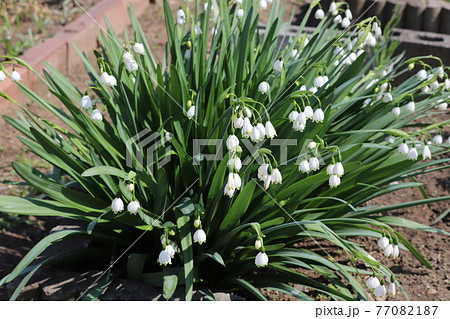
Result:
[
  {"x": 237, "y": 181},
  {"x": 257, "y": 134},
  {"x": 261, "y": 259},
  {"x": 333, "y": 8},
  {"x": 395, "y": 251},
  {"x": 247, "y": 128},
  {"x": 238, "y": 122},
  {"x": 117, "y": 205},
  {"x": 235, "y": 162},
  {"x": 133, "y": 207},
  {"x": 304, "y": 166},
  {"x": 440, "y": 72},
  {"x": 199, "y": 236},
  {"x": 370, "y": 40},
  {"x": 191, "y": 112},
  {"x": 263, "y": 171},
  {"x": 127, "y": 58},
  {"x": 425, "y": 89},
  {"x": 426, "y": 152},
  {"x": 330, "y": 169},
  {"x": 132, "y": 66},
  {"x": 312, "y": 145},
  {"x": 412, "y": 154},
  {"x": 309, "y": 113},
  {"x": 238, "y": 2},
  {"x": 447, "y": 84},
  {"x": 267, "y": 181},
  {"x": 334, "y": 181},
  {"x": 318, "y": 82},
  {"x": 86, "y": 102},
  {"x": 391, "y": 289},
  {"x": 372, "y": 282},
  {"x": 298, "y": 126},
  {"x": 377, "y": 29},
  {"x": 391, "y": 139},
  {"x": 442, "y": 106},
  {"x": 345, "y": 23},
  {"x": 370, "y": 257},
  {"x": 2, "y": 76},
  {"x": 240, "y": 13},
  {"x": 104, "y": 78},
  {"x": 387, "y": 98},
  {"x": 337, "y": 19},
  {"x": 388, "y": 250},
  {"x": 437, "y": 139},
  {"x": 411, "y": 106},
  {"x": 396, "y": 111},
  {"x": 270, "y": 130},
  {"x": 301, "y": 118},
  {"x": 247, "y": 113},
  {"x": 359, "y": 52},
  {"x": 383, "y": 242},
  {"x": 314, "y": 163},
  {"x": 139, "y": 48},
  {"x": 294, "y": 53},
  {"x": 164, "y": 258},
  {"x": 229, "y": 189},
  {"x": 262, "y": 4},
  {"x": 403, "y": 148},
  {"x": 348, "y": 14},
  {"x": 319, "y": 14},
  {"x": 130, "y": 187},
  {"x": 197, "y": 223},
  {"x": 380, "y": 291},
  {"x": 258, "y": 244},
  {"x": 338, "y": 169},
  {"x": 15, "y": 76},
  {"x": 197, "y": 30},
  {"x": 367, "y": 101},
  {"x": 293, "y": 116},
  {"x": 96, "y": 116},
  {"x": 434, "y": 85},
  {"x": 170, "y": 251},
  {"x": 181, "y": 17},
  {"x": 278, "y": 65},
  {"x": 318, "y": 116},
  {"x": 276, "y": 176},
  {"x": 422, "y": 75},
  {"x": 232, "y": 142},
  {"x": 263, "y": 87}
]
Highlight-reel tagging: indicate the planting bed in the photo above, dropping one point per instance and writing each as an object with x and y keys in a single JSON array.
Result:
[{"x": 19, "y": 235}]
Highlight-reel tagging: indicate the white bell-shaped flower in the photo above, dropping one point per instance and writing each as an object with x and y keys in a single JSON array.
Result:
[
  {"x": 312, "y": 145},
  {"x": 164, "y": 258},
  {"x": 278, "y": 65},
  {"x": 257, "y": 134},
  {"x": 447, "y": 84},
  {"x": 276, "y": 176},
  {"x": 240, "y": 13},
  {"x": 413, "y": 154},
  {"x": 133, "y": 207},
  {"x": 263, "y": 87},
  {"x": 395, "y": 251},
  {"x": 238, "y": 122},
  {"x": 237, "y": 181},
  {"x": 426, "y": 152},
  {"x": 422, "y": 75},
  {"x": 117, "y": 205},
  {"x": 86, "y": 102},
  {"x": 294, "y": 53},
  {"x": 304, "y": 166},
  {"x": 372, "y": 282},
  {"x": 96, "y": 116},
  {"x": 309, "y": 113},
  {"x": 337, "y": 19},
  {"x": 235, "y": 162},
  {"x": 2, "y": 76},
  {"x": 15, "y": 76},
  {"x": 330, "y": 169},
  {"x": 247, "y": 128},
  {"x": 345, "y": 23},
  {"x": 383, "y": 242},
  {"x": 191, "y": 112},
  {"x": 139, "y": 48},
  {"x": 270, "y": 130},
  {"x": 390, "y": 139},
  {"x": 262, "y": 4},
  {"x": 334, "y": 181},
  {"x": 301, "y": 118},
  {"x": 181, "y": 17},
  {"x": 232, "y": 142},
  {"x": 318, "y": 116},
  {"x": 434, "y": 85},
  {"x": 411, "y": 106},
  {"x": 298, "y": 126},
  {"x": 348, "y": 14},
  {"x": 130, "y": 187},
  {"x": 261, "y": 259},
  {"x": 437, "y": 139},
  {"x": 403, "y": 148},
  {"x": 440, "y": 72},
  {"x": 338, "y": 169},
  {"x": 314, "y": 163},
  {"x": 170, "y": 250},
  {"x": 263, "y": 171},
  {"x": 267, "y": 181},
  {"x": 197, "y": 30},
  {"x": 104, "y": 78},
  {"x": 132, "y": 66},
  {"x": 387, "y": 98},
  {"x": 396, "y": 111},
  {"x": 313, "y": 90},
  {"x": 380, "y": 291},
  {"x": 293, "y": 116},
  {"x": 391, "y": 289},
  {"x": 319, "y": 14},
  {"x": 388, "y": 250},
  {"x": 199, "y": 236}
]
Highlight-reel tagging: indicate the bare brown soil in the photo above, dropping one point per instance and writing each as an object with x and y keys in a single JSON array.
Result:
[{"x": 18, "y": 235}]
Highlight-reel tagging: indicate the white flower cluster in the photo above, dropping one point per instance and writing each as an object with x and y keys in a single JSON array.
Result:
[
  {"x": 15, "y": 76},
  {"x": 413, "y": 154},
  {"x": 86, "y": 104},
  {"x": 336, "y": 171},
  {"x": 130, "y": 62},
  {"x": 299, "y": 119},
  {"x": 389, "y": 249},
  {"x": 379, "y": 289},
  {"x": 117, "y": 206}
]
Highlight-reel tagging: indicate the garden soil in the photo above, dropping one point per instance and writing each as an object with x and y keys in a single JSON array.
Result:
[{"x": 18, "y": 235}]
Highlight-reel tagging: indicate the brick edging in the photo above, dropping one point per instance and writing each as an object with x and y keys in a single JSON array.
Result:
[{"x": 58, "y": 50}]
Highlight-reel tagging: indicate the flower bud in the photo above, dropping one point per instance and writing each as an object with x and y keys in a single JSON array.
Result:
[
  {"x": 130, "y": 187},
  {"x": 257, "y": 244},
  {"x": 197, "y": 223}
]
